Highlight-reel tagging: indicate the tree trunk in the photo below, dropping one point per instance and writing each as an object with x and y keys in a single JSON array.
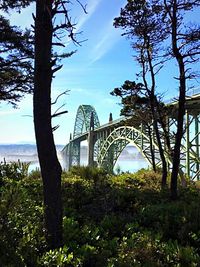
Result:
[
  {"x": 181, "y": 106},
  {"x": 179, "y": 133},
  {"x": 50, "y": 166},
  {"x": 155, "y": 115},
  {"x": 151, "y": 148},
  {"x": 162, "y": 155}
]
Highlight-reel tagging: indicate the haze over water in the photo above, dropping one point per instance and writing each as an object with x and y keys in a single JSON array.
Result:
[{"x": 130, "y": 159}]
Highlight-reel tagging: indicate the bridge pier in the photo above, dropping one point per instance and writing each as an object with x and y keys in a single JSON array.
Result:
[
  {"x": 76, "y": 153},
  {"x": 91, "y": 149},
  {"x": 73, "y": 154},
  {"x": 70, "y": 152},
  {"x": 91, "y": 142}
]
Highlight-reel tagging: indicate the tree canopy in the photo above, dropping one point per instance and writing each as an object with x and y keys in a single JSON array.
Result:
[
  {"x": 16, "y": 54},
  {"x": 6, "y": 5}
]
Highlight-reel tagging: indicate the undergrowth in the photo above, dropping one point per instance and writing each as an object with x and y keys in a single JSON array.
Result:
[{"x": 108, "y": 221}]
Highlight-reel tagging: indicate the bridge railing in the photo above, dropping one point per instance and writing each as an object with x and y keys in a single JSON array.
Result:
[
  {"x": 114, "y": 122},
  {"x": 191, "y": 92}
]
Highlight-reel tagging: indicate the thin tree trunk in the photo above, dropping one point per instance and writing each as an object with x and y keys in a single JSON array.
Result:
[
  {"x": 181, "y": 106},
  {"x": 161, "y": 152},
  {"x": 155, "y": 120},
  {"x": 179, "y": 134},
  {"x": 50, "y": 166},
  {"x": 151, "y": 149}
]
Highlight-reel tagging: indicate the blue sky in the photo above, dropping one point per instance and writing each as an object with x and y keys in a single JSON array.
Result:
[{"x": 102, "y": 63}]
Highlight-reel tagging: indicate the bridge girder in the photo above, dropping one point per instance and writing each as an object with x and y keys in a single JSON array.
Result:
[
  {"x": 110, "y": 140},
  {"x": 82, "y": 121},
  {"x": 118, "y": 139},
  {"x": 81, "y": 126}
]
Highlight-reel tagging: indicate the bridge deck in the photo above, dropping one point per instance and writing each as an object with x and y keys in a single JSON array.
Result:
[
  {"x": 192, "y": 104},
  {"x": 118, "y": 132}
]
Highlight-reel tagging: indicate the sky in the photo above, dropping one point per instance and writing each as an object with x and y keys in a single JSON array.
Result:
[{"x": 104, "y": 61}]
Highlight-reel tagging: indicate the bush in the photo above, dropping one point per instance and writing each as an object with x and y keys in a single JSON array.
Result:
[
  {"x": 21, "y": 222},
  {"x": 14, "y": 170},
  {"x": 58, "y": 257},
  {"x": 109, "y": 221}
]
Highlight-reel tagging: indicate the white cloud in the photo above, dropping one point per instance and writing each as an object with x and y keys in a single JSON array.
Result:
[
  {"x": 9, "y": 112},
  {"x": 109, "y": 38},
  {"x": 91, "y": 8}
]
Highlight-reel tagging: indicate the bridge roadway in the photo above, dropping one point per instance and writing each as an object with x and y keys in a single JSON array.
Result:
[
  {"x": 192, "y": 104},
  {"x": 103, "y": 127},
  {"x": 106, "y": 142}
]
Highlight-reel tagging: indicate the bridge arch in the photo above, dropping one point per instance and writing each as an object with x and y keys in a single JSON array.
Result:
[
  {"x": 119, "y": 138},
  {"x": 82, "y": 121}
]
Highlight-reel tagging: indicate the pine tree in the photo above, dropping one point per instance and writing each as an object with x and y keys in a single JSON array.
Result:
[{"x": 16, "y": 59}]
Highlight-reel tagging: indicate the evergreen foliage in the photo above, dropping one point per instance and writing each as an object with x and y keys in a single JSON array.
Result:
[
  {"x": 6, "y": 5},
  {"x": 109, "y": 220},
  {"x": 16, "y": 71},
  {"x": 148, "y": 24}
]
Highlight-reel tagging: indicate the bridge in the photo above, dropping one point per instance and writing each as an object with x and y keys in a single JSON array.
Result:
[{"x": 106, "y": 142}]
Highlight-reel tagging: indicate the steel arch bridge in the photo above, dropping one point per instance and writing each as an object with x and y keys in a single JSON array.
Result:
[
  {"x": 83, "y": 120},
  {"x": 110, "y": 149},
  {"x": 106, "y": 142}
]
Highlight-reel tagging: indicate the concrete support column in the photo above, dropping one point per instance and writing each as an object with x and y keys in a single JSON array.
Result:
[
  {"x": 91, "y": 142},
  {"x": 70, "y": 152},
  {"x": 91, "y": 149},
  {"x": 78, "y": 152}
]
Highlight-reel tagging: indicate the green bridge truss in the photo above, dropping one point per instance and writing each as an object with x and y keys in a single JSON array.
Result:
[
  {"x": 83, "y": 120},
  {"x": 106, "y": 142}
]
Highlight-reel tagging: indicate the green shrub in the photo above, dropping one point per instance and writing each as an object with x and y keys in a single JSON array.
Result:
[
  {"x": 14, "y": 170},
  {"x": 21, "y": 222},
  {"x": 109, "y": 221},
  {"x": 144, "y": 249},
  {"x": 59, "y": 258},
  {"x": 35, "y": 174},
  {"x": 97, "y": 175}
]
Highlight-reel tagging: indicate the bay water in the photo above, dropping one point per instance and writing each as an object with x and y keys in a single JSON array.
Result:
[{"x": 130, "y": 159}]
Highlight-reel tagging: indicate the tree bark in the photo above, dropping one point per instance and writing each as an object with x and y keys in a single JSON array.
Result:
[
  {"x": 49, "y": 164},
  {"x": 179, "y": 133},
  {"x": 181, "y": 105},
  {"x": 151, "y": 148},
  {"x": 161, "y": 151},
  {"x": 155, "y": 115}
]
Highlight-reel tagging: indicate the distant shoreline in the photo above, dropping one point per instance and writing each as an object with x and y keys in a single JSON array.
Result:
[{"x": 27, "y": 153}]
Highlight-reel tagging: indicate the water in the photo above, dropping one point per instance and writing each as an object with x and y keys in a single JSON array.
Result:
[
  {"x": 130, "y": 160},
  {"x": 130, "y": 165}
]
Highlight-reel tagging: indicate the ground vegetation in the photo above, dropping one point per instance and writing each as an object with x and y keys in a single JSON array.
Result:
[{"x": 120, "y": 220}]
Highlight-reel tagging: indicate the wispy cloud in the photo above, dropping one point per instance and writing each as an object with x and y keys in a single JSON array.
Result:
[
  {"x": 108, "y": 39},
  {"x": 9, "y": 112},
  {"x": 91, "y": 8}
]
